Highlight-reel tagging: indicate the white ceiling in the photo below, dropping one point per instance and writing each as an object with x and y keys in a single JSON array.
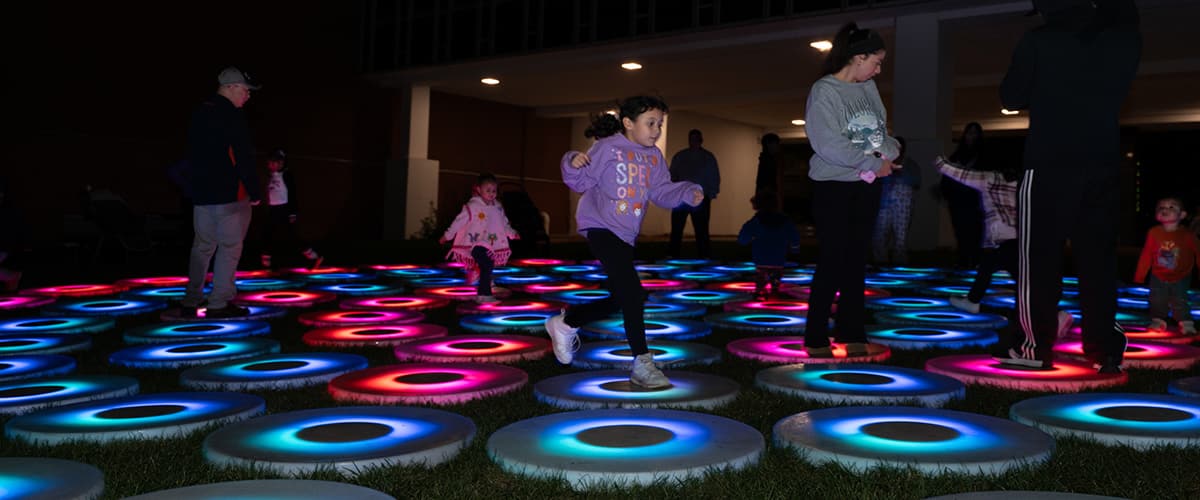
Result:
[{"x": 759, "y": 74}]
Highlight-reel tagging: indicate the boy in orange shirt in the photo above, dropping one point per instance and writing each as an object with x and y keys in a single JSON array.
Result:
[{"x": 1169, "y": 256}]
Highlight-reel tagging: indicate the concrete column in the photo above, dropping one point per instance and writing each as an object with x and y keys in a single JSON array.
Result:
[
  {"x": 921, "y": 107},
  {"x": 411, "y": 177}
]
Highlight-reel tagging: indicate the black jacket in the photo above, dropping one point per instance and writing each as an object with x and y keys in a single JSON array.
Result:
[{"x": 220, "y": 154}]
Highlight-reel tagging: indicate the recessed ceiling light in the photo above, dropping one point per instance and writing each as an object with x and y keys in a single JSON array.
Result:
[
  {"x": 631, "y": 66},
  {"x": 1008, "y": 113},
  {"x": 610, "y": 112},
  {"x": 487, "y": 80},
  {"x": 797, "y": 122},
  {"x": 822, "y": 45}
]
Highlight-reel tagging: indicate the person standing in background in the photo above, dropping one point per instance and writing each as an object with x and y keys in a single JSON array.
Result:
[
  {"x": 895, "y": 210},
  {"x": 698, "y": 165}
]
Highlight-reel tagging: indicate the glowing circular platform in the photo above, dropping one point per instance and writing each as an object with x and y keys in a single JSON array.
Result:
[
  {"x": 931, "y": 337},
  {"x": 480, "y": 348},
  {"x": 906, "y": 303},
  {"x": 1142, "y": 354},
  {"x": 624, "y": 447},
  {"x": 861, "y": 384},
  {"x": 34, "y": 478},
  {"x": 182, "y": 354},
  {"x": 702, "y": 297},
  {"x": 271, "y": 372},
  {"x": 257, "y": 313},
  {"x": 359, "y": 318},
  {"x": 932, "y": 441},
  {"x": 42, "y": 343},
  {"x": 23, "y": 302},
  {"x": 511, "y": 306},
  {"x": 774, "y": 306},
  {"x": 1189, "y": 386},
  {"x": 1140, "y": 421},
  {"x": 104, "y": 307},
  {"x": 669, "y": 310},
  {"x": 1009, "y": 301},
  {"x": 612, "y": 389},
  {"x": 306, "y": 272},
  {"x": 702, "y": 276},
  {"x": 372, "y": 336},
  {"x": 284, "y": 298},
  {"x": 160, "y": 294},
  {"x": 545, "y": 288},
  {"x": 337, "y": 278},
  {"x": 655, "y": 285},
  {"x": 575, "y": 269},
  {"x": 34, "y": 365},
  {"x": 690, "y": 262},
  {"x": 670, "y": 329},
  {"x": 415, "y": 273},
  {"x": 522, "y": 279},
  {"x": 358, "y": 289},
  {"x": 1122, "y": 317},
  {"x": 290, "y": 489},
  {"x": 265, "y": 284},
  {"x": 1133, "y": 303},
  {"x": 761, "y": 321},
  {"x": 427, "y": 383},
  {"x": 577, "y": 296},
  {"x": 24, "y": 396},
  {"x": 188, "y": 332},
  {"x": 144, "y": 416},
  {"x": 944, "y": 318},
  {"x": 153, "y": 281},
  {"x": 347, "y": 440},
  {"x": 461, "y": 292},
  {"x": 1141, "y": 334},
  {"x": 527, "y": 322},
  {"x": 784, "y": 349},
  {"x": 437, "y": 282},
  {"x": 615, "y": 354},
  {"x": 960, "y": 291},
  {"x": 394, "y": 303},
  {"x": 1065, "y": 376},
  {"x": 657, "y": 269},
  {"x": 541, "y": 262},
  {"x": 87, "y": 290},
  {"x": 56, "y": 325}
]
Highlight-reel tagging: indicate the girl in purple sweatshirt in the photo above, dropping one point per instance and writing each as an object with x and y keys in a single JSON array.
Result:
[{"x": 618, "y": 176}]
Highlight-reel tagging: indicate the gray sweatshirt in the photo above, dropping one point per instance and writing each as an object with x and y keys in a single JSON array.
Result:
[{"x": 846, "y": 125}]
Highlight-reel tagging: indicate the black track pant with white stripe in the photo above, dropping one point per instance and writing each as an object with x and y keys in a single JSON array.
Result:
[{"x": 1055, "y": 205}]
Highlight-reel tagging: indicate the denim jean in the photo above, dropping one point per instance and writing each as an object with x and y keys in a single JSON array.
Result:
[
  {"x": 220, "y": 232},
  {"x": 1170, "y": 297}
]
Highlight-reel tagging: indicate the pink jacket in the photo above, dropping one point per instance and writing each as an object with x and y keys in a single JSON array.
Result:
[{"x": 483, "y": 225}]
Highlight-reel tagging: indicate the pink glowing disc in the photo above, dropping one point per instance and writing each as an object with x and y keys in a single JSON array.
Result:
[
  {"x": 655, "y": 285},
  {"x": 19, "y": 302},
  {"x": 479, "y": 348},
  {"x": 1142, "y": 333},
  {"x": 157, "y": 281},
  {"x": 357, "y": 318},
  {"x": 785, "y": 349},
  {"x": 541, "y": 288},
  {"x": 509, "y": 306},
  {"x": 88, "y": 290},
  {"x": 777, "y": 306},
  {"x": 427, "y": 383},
  {"x": 305, "y": 271},
  {"x": 372, "y": 335},
  {"x": 1142, "y": 354},
  {"x": 461, "y": 292},
  {"x": 1065, "y": 376},
  {"x": 391, "y": 303},
  {"x": 285, "y": 298}
]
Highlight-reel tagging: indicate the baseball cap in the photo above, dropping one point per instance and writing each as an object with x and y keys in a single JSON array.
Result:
[{"x": 232, "y": 75}]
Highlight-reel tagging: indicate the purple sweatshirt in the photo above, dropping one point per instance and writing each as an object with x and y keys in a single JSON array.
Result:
[{"x": 616, "y": 185}]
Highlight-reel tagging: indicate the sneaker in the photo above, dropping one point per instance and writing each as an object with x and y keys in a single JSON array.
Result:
[
  {"x": 265, "y": 260},
  {"x": 1065, "y": 320},
  {"x": 316, "y": 263},
  {"x": 229, "y": 311},
  {"x": 964, "y": 304},
  {"x": 1014, "y": 358},
  {"x": 1187, "y": 327},
  {"x": 646, "y": 374},
  {"x": 192, "y": 311},
  {"x": 819, "y": 352},
  {"x": 856, "y": 349},
  {"x": 563, "y": 336},
  {"x": 486, "y": 299},
  {"x": 1157, "y": 325}
]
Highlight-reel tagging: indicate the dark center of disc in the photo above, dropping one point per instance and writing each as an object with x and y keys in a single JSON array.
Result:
[
  {"x": 394, "y": 301},
  {"x": 345, "y": 432},
  {"x": 627, "y": 386},
  {"x": 910, "y": 431},
  {"x": 280, "y": 296},
  {"x": 629, "y": 352},
  {"x": 5, "y": 366},
  {"x": 1144, "y": 414},
  {"x": 857, "y": 378},
  {"x": 593, "y": 294},
  {"x": 361, "y": 315},
  {"x": 272, "y": 366},
  {"x": 941, "y": 316},
  {"x": 1134, "y": 348},
  {"x": 36, "y": 390},
  {"x": 625, "y": 436},
  {"x": 196, "y": 348},
  {"x": 920, "y": 332},
  {"x": 702, "y": 295},
  {"x": 16, "y": 343},
  {"x": 481, "y": 344},
  {"x": 355, "y": 287},
  {"x": 429, "y": 378},
  {"x": 44, "y": 322},
  {"x": 141, "y": 411},
  {"x": 650, "y": 325},
  {"x": 910, "y": 301},
  {"x": 768, "y": 319},
  {"x": 102, "y": 305},
  {"x": 792, "y": 346},
  {"x": 525, "y": 317},
  {"x": 196, "y": 328},
  {"x": 372, "y": 331}
]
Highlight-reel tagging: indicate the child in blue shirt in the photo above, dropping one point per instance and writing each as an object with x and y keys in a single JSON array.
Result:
[{"x": 770, "y": 235}]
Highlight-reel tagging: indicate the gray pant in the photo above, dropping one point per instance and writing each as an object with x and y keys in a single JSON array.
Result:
[
  {"x": 220, "y": 230},
  {"x": 1170, "y": 297}
]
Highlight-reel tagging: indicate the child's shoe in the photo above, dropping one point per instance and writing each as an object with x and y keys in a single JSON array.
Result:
[
  {"x": 313, "y": 256},
  {"x": 265, "y": 260},
  {"x": 1065, "y": 320},
  {"x": 564, "y": 338},
  {"x": 645, "y": 374},
  {"x": 1187, "y": 327},
  {"x": 964, "y": 304},
  {"x": 1157, "y": 325}
]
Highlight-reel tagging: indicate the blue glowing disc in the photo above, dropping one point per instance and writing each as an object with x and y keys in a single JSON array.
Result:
[
  {"x": 42, "y": 343},
  {"x": 271, "y": 372},
  {"x": 49, "y": 479},
  {"x": 290, "y": 489},
  {"x": 612, "y": 389},
  {"x": 575, "y": 269},
  {"x": 1189, "y": 386},
  {"x": 336, "y": 278},
  {"x": 592, "y": 277},
  {"x": 670, "y": 329},
  {"x": 1133, "y": 303},
  {"x": 703, "y": 297},
  {"x": 23, "y": 396},
  {"x": 354, "y": 317},
  {"x": 427, "y": 383},
  {"x": 266, "y": 284},
  {"x": 906, "y": 303},
  {"x": 1009, "y": 301},
  {"x": 56, "y": 325},
  {"x": 526, "y": 321},
  {"x": 787, "y": 349},
  {"x": 416, "y": 273},
  {"x": 798, "y": 279},
  {"x": 997, "y": 280},
  {"x": 690, "y": 262},
  {"x": 359, "y": 289},
  {"x": 161, "y": 294},
  {"x": 889, "y": 283},
  {"x": 1122, "y": 317},
  {"x": 701, "y": 276},
  {"x": 577, "y": 296},
  {"x": 615, "y": 354},
  {"x": 103, "y": 307},
  {"x": 944, "y": 318},
  {"x": 758, "y": 321},
  {"x": 670, "y": 310},
  {"x": 971, "y": 273},
  {"x": 34, "y": 366},
  {"x": 393, "y": 302},
  {"x": 959, "y": 291},
  {"x": 657, "y": 269},
  {"x": 23, "y": 302},
  {"x": 436, "y": 282},
  {"x": 932, "y": 441},
  {"x": 257, "y": 313},
  {"x": 1070, "y": 281},
  {"x": 525, "y": 279},
  {"x": 371, "y": 335},
  {"x": 1065, "y": 376},
  {"x": 181, "y": 354},
  {"x": 742, "y": 268},
  {"x": 931, "y": 337},
  {"x": 480, "y": 348},
  {"x": 347, "y": 440},
  {"x": 624, "y": 447},
  {"x": 861, "y": 384},
  {"x": 284, "y": 298},
  {"x": 1140, "y": 421},
  {"x": 187, "y": 332}
]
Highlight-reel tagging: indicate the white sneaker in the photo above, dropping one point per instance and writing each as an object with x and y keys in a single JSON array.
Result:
[
  {"x": 645, "y": 374},
  {"x": 1187, "y": 327},
  {"x": 1157, "y": 325},
  {"x": 964, "y": 304},
  {"x": 1065, "y": 320},
  {"x": 564, "y": 338}
]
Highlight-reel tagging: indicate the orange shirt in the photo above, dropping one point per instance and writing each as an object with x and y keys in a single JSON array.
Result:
[{"x": 1171, "y": 256}]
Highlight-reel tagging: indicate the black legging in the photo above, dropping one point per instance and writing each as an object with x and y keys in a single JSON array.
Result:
[
  {"x": 1002, "y": 257},
  {"x": 624, "y": 288},
  {"x": 485, "y": 264},
  {"x": 845, "y": 215}
]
